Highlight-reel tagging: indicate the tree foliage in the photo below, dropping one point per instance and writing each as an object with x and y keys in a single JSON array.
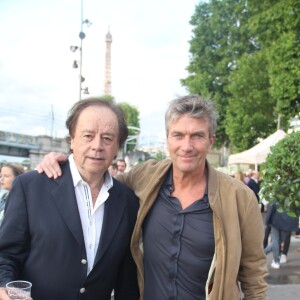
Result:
[
  {"x": 132, "y": 117},
  {"x": 250, "y": 106},
  {"x": 217, "y": 44},
  {"x": 282, "y": 174},
  {"x": 244, "y": 55}
]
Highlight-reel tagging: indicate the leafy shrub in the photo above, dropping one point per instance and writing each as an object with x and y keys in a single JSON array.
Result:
[{"x": 282, "y": 174}]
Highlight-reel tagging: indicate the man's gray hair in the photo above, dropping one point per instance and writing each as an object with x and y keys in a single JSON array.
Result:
[{"x": 193, "y": 106}]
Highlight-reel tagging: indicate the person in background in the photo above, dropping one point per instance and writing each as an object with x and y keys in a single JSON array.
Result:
[
  {"x": 264, "y": 210},
  {"x": 285, "y": 242},
  {"x": 71, "y": 237},
  {"x": 121, "y": 166},
  {"x": 253, "y": 184},
  {"x": 7, "y": 175},
  {"x": 199, "y": 232},
  {"x": 113, "y": 169},
  {"x": 2, "y": 190},
  {"x": 247, "y": 176},
  {"x": 239, "y": 176},
  {"x": 281, "y": 227}
]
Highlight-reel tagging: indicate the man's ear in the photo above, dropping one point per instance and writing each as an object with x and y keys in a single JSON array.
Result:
[
  {"x": 71, "y": 145},
  {"x": 211, "y": 141}
]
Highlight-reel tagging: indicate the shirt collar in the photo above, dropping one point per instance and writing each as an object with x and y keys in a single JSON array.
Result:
[
  {"x": 168, "y": 183},
  {"x": 108, "y": 180}
]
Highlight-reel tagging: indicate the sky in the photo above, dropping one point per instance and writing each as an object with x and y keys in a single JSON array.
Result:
[{"x": 149, "y": 55}]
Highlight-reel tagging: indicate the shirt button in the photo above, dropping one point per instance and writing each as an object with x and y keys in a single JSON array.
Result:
[
  {"x": 82, "y": 290},
  {"x": 83, "y": 261}
]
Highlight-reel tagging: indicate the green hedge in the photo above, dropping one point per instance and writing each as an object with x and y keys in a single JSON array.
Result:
[{"x": 281, "y": 170}]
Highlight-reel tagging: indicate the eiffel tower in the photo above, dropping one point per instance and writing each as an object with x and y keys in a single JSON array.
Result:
[{"x": 107, "y": 75}]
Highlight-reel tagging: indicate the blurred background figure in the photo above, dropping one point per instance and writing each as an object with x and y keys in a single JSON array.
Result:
[
  {"x": 281, "y": 227},
  {"x": 113, "y": 169},
  {"x": 253, "y": 183},
  {"x": 8, "y": 173},
  {"x": 240, "y": 176},
  {"x": 121, "y": 166},
  {"x": 247, "y": 176},
  {"x": 2, "y": 190}
]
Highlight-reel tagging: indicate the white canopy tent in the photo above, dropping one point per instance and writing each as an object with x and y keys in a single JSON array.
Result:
[{"x": 257, "y": 154}]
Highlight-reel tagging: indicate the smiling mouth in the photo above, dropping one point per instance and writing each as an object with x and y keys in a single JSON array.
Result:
[{"x": 187, "y": 157}]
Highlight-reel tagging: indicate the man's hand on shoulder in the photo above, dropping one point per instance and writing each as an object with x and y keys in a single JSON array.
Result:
[{"x": 50, "y": 165}]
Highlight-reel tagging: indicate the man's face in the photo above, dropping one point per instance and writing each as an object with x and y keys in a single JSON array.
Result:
[
  {"x": 188, "y": 144},
  {"x": 95, "y": 141},
  {"x": 121, "y": 166}
]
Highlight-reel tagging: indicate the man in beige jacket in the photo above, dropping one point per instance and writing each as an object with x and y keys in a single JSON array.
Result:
[{"x": 199, "y": 232}]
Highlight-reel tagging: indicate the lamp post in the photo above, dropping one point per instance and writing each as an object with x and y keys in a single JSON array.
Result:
[{"x": 75, "y": 48}]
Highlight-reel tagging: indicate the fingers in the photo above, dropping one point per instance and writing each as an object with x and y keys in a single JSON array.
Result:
[
  {"x": 50, "y": 164},
  {"x": 3, "y": 294}
]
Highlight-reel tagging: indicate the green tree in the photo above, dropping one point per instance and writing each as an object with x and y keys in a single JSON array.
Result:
[
  {"x": 160, "y": 155},
  {"x": 284, "y": 74},
  {"x": 244, "y": 55},
  {"x": 108, "y": 98},
  {"x": 132, "y": 115},
  {"x": 219, "y": 39},
  {"x": 282, "y": 174},
  {"x": 275, "y": 26},
  {"x": 132, "y": 119},
  {"x": 250, "y": 107}
]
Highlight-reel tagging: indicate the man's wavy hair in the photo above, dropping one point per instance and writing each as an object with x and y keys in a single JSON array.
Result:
[
  {"x": 193, "y": 106},
  {"x": 79, "y": 106}
]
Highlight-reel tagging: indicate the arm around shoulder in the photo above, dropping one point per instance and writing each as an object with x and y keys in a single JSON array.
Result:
[{"x": 50, "y": 164}]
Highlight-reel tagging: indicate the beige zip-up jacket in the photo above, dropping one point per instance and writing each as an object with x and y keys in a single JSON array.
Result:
[{"x": 238, "y": 231}]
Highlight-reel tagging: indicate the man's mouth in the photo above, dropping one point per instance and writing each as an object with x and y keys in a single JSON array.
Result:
[{"x": 96, "y": 158}]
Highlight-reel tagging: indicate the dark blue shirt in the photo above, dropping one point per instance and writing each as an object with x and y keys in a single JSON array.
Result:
[{"x": 178, "y": 247}]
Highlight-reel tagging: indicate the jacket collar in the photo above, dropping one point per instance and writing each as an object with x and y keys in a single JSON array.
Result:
[{"x": 63, "y": 196}]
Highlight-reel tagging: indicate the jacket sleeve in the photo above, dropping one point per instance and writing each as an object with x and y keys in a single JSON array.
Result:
[
  {"x": 253, "y": 267},
  {"x": 14, "y": 235}
]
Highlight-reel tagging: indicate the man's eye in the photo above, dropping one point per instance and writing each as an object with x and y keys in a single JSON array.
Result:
[
  {"x": 107, "y": 139},
  {"x": 198, "y": 136}
]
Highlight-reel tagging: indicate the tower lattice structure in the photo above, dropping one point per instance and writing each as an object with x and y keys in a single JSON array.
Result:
[{"x": 107, "y": 75}]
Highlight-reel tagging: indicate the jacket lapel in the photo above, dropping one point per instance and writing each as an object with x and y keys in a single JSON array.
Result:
[
  {"x": 113, "y": 212},
  {"x": 63, "y": 195}
]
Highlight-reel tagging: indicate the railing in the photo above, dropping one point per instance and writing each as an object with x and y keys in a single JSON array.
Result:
[{"x": 18, "y": 140}]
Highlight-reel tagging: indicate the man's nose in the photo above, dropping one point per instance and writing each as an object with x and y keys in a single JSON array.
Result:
[
  {"x": 187, "y": 143},
  {"x": 97, "y": 143}
]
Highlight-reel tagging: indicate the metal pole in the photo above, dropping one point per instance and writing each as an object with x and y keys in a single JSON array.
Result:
[{"x": 80, "y": 62}]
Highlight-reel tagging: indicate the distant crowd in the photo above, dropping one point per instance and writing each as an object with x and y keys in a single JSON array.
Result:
[{"x": 279, "y": 226}]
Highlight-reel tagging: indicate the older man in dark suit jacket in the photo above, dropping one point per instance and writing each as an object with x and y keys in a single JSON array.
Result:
[
  {"x": 70, "y": 237},
  {"x": 253, "y": 183}
]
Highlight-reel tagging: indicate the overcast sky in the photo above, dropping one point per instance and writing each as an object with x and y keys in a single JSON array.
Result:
[{"x": 150, "y": 52}]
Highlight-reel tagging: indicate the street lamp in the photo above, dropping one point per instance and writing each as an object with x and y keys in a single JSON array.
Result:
[{"x": 79, "y": 48}]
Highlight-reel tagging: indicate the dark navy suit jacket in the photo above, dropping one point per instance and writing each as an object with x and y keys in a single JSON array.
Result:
[
  {"x": 254, "y": 186},
  {"x": 41, "y": 240}
]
